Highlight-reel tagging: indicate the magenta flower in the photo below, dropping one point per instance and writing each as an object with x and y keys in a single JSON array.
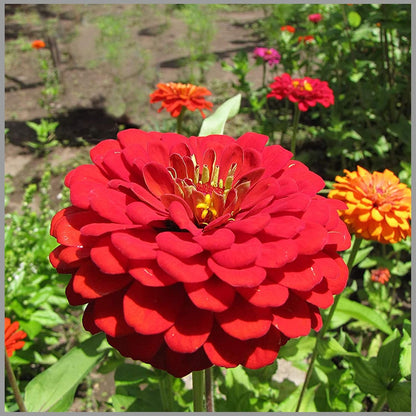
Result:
[
  {"x": 270, "y": 55},
  {"x": 315, "y": 18}
]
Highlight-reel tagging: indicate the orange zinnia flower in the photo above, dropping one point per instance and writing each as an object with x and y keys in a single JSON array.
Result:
[
  {"x": 38, "y": 44},
  {"x": 378, "y": 204},
  {"x": 306, "y": 39},
  {"x": 13, "y": 337},
  {"x": 175, "y": 96},
  {"x": 380, "y": 275}
]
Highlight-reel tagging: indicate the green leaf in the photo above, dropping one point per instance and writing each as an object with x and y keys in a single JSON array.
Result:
[
  {"x": 308, "y": 405},
  {"x": 53, "y": 390},
  {"x": 388, "y": 357},
  {"x": 46, "y": 318},
  {"x": 332, "y": 348},
  {"x": 362, "y": 313},
  {"x": 214, "y": 124},
  {"x": 354, "y": 19},
  {"x": 399, "y": 398},
  {"x": 366, "y": 376}
]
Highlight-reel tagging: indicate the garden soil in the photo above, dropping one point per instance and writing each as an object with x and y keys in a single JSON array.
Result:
[{"x": 89, "y": 106}]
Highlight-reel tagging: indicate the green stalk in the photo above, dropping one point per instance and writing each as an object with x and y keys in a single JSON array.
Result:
[
  {"x": 179, "y": 121},
  {"x": 295, "y": 129},
  {"x": 208, "y": 390},
  {"x": 166, "y": 393},
  {"x": 198, "y": 390},
  {"x": 378, "y": 405},
  {"x": 264, "y": 74},
  {"x": 13, "y": 383},
  {"x": 321, "y": 333}
]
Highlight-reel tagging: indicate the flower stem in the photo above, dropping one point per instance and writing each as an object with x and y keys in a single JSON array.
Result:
[
  {"x": 378, "y": 405},
  {"x": 13, "y": 383},
  {"x": 208, "y": 390},
  {"x": 320, "y": 335},
  {"x": 198, "y": 390},
  {"x": 295, "y": 129},
  {"x": 264, "y": 74},
  {"x": 179, "y": 121},
  {"x": 166, "y": 393}
]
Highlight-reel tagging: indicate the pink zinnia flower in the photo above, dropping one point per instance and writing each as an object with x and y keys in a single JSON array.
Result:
[
  {"x": 315, "y": 18},
  {"x": 200, "y": 251},
  {"x": 270, "y": 55},
  {"x": 307, "y": 92}
]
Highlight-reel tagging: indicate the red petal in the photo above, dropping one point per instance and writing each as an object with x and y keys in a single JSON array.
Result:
[
  {"x": 232, "y": 257},
  {"x": 97, "y": 229},
  {"x": 66, "y": 259},
  {"x": 178, "y": 244},
  {"x": 213, "y": 294},
  {"x": 148, "y": 273},
  {"x": 80, "y": 191},
  {"x": 284, "y": 226},
  {"x": 232, "y": 154},
  {"x": 180, "y": 216},
  {"x": 275, "y": 158},
  {"x": 141, "y": 213},
  {"x": 267, "y": 294},
  {"x": 293, "y": 319},
  {"x": 179, "y": 365},
  {"x": 292, "y": 203},
  {"x": 158, "y": 179},
  {"x": 253, "y": 141},
  {"x": 311, "y": 239},
  {"x": 340, "y": 237},
  {"x": 301, "y": 274},
  {"x": 249, "y": 225},
  {"x": 135, "y": 245},
  {"x": 151, "y": 310},
  {"x": 66, "y": 228},
  {"x": 319, "y": 296},
  {"x": 246, "y": 277},
  {"x": 99, "y": 151},
  {"x": 224, "y": 350},
  {"x": 276, "y": 254},
  {"x": 191, "y": 270},
  {"x": 265, "y": 350},
  {"x": 90, "y": 283},
  {"x": 261, "y": 190},
  {"x": 190, "y": 330},
  {"x": 88, "y": 319},
  {"x": 109, "y": 317},
  {"x": 244, "y": 321},
  {"x": 89, "y": 172},
  {"x": 158, "y": 152},
  {"x": 316, "y": 318},
  {"x": 137, "y": 346},
  {"x": 129, "y": 137},
  {"x": 74, "y": 298},
  {"x": 116, "y": 168},
  {"x": 110, "y": 204},
  {"x": 107, "y": 258},
  {"x": 219, "y": 239}
]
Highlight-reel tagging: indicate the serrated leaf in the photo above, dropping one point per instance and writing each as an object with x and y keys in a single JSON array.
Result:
[
  {"x": 362, "y": 313},
  {"x": 54, "y": 389},
  {"x": 214, "y": 124}
]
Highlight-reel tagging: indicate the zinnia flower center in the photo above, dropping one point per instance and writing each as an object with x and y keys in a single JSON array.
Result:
[
  {"x": 305, "y": 86},
  {"x": 207, "y": 190}
]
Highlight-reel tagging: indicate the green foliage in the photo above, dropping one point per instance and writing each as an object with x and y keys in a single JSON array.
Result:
[
  {"x": 45, "y": 136},
  {"x": 53, "y": 390}
]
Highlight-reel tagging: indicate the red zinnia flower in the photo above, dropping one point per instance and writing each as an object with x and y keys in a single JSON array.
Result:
[
  {"x": 269, "y": 55},
  {"x": 288, "y": 28},
  {"x": 380, "y": 275},
  {"x": 199, "y": 251},
  {"x": 38, "y": 44},
  {"x": 13, "y": 337},
  {"x": 307, "y": 92},
  {"x": 315, "y": 18},
  {"x": 306, "y": 39},
  {"x": 175, "y": 96}
]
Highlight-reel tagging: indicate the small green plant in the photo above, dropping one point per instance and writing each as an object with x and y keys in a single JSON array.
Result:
[{"x": 45, "y": 136}]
